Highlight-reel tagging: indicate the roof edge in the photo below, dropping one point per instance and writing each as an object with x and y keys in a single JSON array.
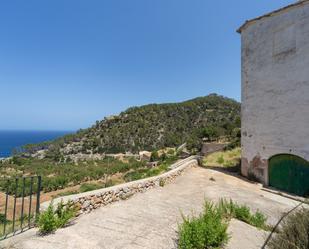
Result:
[{"x": 248, "y": 22}]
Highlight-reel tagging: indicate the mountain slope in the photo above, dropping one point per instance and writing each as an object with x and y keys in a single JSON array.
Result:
[{"x": 156, "y": 126}]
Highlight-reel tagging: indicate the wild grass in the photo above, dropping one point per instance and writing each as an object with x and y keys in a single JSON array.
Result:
[
  {"x": 209, "y": 229},
  {"x": 229, "y": 158},
  {"x": 231, "y": 210},
  {"x": 294, "y": 232}
]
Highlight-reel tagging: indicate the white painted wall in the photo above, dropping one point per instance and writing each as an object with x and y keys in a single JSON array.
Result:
[{"x": 275, "y": 89}]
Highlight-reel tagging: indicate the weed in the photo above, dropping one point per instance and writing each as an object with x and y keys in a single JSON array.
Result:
[
  {"x": 47, "y": 221},
  {"x": 293, "y": 232},
  {"x": 231, "y": 209},
  {"x": 209, "y": 230},
  {"x": 50, "y": 220},
  {"x": 220, "y": 160}
]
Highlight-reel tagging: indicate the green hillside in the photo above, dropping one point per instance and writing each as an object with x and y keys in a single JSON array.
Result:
[{"x": 155, "y": 126}]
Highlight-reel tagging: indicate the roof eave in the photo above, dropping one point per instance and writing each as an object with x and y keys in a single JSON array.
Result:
[{"x": 248, "y": 22}]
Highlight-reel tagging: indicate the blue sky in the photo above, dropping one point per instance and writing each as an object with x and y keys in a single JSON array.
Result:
[{"x": 66, "y": 63}]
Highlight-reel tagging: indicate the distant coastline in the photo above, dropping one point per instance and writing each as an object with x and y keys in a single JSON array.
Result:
[{"x": 10, "y": 139}]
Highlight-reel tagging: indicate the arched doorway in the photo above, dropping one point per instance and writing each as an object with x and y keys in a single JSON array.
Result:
[{"x": 289, "y": 173}]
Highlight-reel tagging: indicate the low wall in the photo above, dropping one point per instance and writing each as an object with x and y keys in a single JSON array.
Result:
[{"x": 88, "y": 201}]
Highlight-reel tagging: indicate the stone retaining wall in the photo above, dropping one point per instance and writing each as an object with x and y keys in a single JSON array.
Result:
[{"x": 88, "y": 201}]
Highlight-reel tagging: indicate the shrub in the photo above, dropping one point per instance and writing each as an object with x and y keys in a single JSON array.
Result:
[
  {"x": 47, "y": 221},
  {"x": 50, "y": 220},
  {"x": 171, "y": 152},
  {"x": 220, "y": 160},
  {"x": 293, "y": 233},
  {"x": 154, "y": 156},
  {"x": 242, "y": 213},
  {"x": 259, "y": 220},
  {"x": 3, "y": 219},
  {"x": 134, "y": 175},
  {"x": 65, "y": 213},
  {"x": 209, "y": 230},
  {"x": 85, "y": 187}
]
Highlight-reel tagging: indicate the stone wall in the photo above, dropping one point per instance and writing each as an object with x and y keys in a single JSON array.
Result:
[
  {"x": 209, "y": 148},
  {"x": 88, "y": 201},
  {"x": 275, "y": 89}
]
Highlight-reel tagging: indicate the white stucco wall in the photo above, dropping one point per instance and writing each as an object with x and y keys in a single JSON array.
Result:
[{"x": 275, "y": 89}]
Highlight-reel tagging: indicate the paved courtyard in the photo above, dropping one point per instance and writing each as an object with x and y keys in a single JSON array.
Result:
[{"x": 150, "y": 220}]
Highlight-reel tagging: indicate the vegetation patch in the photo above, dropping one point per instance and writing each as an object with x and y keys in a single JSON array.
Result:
[
  {"x": 294, "y": 232},
  {"x": 231, "y": 210},
  {"x": 52, "y": 219},
  {"x": 57, "y": 176},
  {"x": 225, "y": 159},
  {"x": 149, "y": 172},
  {"x": 209, "y": 229},
  {"x": 85, "y": 187},
  {"x": 188, "y": 122}
]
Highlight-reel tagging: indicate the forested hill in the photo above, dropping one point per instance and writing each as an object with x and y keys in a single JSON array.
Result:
[{"x": 157, "y": 126}]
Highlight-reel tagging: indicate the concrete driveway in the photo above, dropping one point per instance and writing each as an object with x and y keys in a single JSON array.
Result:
[{"x": 150, "y": 220}]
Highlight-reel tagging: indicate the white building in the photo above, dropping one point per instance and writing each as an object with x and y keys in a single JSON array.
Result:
[{"x": 275, "y": 98}]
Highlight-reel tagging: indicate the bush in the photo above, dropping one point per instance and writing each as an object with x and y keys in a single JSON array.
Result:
[
  {"x": 154, "y": 156},
  {"x": 64, "y": 213},
  {"x": 294, "y": 232},
  {"x": 259, "y": 220},
  {"x": 3, "y": 219},
  {"x": 242, "y": 212},
  {"x": 220, "y": 160},
  {"x": 47, "y": 221},
  {"x": 85, "y": 187},
  {"x": 209, "y": 230},
  {"x": 50, "y": 220}
]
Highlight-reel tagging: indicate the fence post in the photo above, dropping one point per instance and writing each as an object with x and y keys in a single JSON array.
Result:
[
  {"x": 22, "y": 204},
  {"x": 14, "y": 209},
  {"x": 30, "y": 202},
  {"x": 6, "y": 206},
  {"x": 38, "y": 197}
]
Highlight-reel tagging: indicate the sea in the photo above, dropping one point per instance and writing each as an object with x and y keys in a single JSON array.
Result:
[{"x": 10, "y": 140}]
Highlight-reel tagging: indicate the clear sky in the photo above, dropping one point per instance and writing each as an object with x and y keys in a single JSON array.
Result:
[{"x": 66, "y": 63}]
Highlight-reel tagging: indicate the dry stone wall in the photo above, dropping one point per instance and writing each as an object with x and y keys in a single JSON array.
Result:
[{"x": 86, "y": 202}]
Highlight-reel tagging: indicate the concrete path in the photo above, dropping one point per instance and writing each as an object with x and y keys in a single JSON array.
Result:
[{"x": 150, "y": 220}]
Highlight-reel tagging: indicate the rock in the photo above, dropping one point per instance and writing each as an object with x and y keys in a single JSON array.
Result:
[
  {"x": 86, "y": 204},
  {"x": 126, "y": 190}
]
